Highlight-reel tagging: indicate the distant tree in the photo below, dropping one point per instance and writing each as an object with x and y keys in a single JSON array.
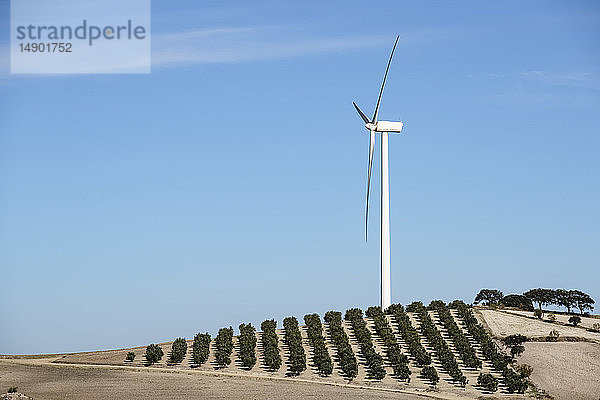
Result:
[
  {"x": 153, "y": 353},
  {"x": 178, "y": 351},
  {"x": 515, "y": 344},
  {"x": 517, "y": 301},
  {"x": 582, "y": 301},
  {"x": 247, "y": 345},
  {"x": 488, "y": 297},
  {"x": 513, "y": 340},
  {"x": 130, "y": 356},
  {"x": 552, "y": 336},
  {"x": 514, "y": 382},
  {"x": 575, "y": 320},
  {"x": 564, "y": 298},
  {"x": 201, "y": 348},
  {"x": 487, "y": 382},
  {"x": 540, "y": 296},
  {"x": 524, "y": 370},
  {"x": 224, "y": 347},
  {"x": 516, "y": 351},
  {"x": 428, "y": 372}
]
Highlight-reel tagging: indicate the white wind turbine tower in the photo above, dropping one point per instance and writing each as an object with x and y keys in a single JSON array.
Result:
[{"x": 384, "y": 128}]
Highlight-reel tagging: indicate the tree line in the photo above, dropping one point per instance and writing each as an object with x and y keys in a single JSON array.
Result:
[
  {"x": 569, "y": 299},
  {"x": 293, "y": 340},
  {"x": 461, "y": 343},
  {"x": 396, "y": 358},
  {"x": 271, "y": 356},
  {"x": 410, "y": 335},
  {"x": 224, "y": 346},
  {"x": 514, "y": 382},
  {"x": 345, "y": 355},
  {"x": 321, "y": 359},
  {"x": 435, "y": 339},
  {"x": 247, "y": 345},
  {"x": 373, "y": 359}
]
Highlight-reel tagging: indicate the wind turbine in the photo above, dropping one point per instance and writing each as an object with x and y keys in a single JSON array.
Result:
[{"x": 384, "y": 128}]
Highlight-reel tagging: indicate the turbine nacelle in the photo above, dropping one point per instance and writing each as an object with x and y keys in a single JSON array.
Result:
[{"x": 385, "y": 126}]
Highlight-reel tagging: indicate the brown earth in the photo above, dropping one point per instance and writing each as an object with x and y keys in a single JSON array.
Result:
[
  {"x": 566, "y": 370},
  {"x": 503, "y": 323},
  {"x": 44, "y": 381},
  {"x": 562, "y": 319}
]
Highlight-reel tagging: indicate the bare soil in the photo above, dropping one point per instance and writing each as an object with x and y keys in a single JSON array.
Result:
[
  {"x": 566, "y": 370},
  {"x": 503, "y": 323},
  {"x": 563, "y": 319},
  {"x": 44, "y": 381}
]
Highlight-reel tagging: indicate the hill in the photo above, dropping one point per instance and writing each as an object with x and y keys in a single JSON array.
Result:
[{"x": 391, "y": 350}]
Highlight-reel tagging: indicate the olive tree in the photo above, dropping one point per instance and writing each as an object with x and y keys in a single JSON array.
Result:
[{"x": 488, "y": 297}]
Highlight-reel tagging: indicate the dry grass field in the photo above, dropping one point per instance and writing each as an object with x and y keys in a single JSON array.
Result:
[
  {"x": 504, "y": 323},
  {"x": 566, "y": 370},
  {"x": 62, "y": 382}
]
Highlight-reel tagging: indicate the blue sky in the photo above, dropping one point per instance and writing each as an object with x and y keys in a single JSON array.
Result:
[{"x": 228, "y": 185}]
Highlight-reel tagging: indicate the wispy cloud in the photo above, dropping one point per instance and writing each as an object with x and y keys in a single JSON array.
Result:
[
  {"x": 246, "y": 44},
  {"x": 578, "y": 79},
  {"x": 229, "y": 45},
  {"x": 547, "y": 78}
]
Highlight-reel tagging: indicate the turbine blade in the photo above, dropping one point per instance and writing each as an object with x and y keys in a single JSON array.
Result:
[
  {"x": 383, "y": 83},
  {"x": 371, "y": 149},
  {"x": 362, "y": 114}
]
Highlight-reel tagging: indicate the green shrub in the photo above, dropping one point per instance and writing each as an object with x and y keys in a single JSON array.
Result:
[
  {"x": 247, "y": 344},
  {"x": 515, "y": 344},
  {"x": 552, "y": 318},
  {"x": 410, "y": 335},
  {"x": 398, "y": 361},
  {"x": 271, "y": 356},
  {"x": 201, "y": 348},
  {"x": 153, "y": 354},
  {"x": 130, "y": 356},
  {"x": 552, "y": 336},
  {"x": 178, "y": 351},
  {"x": 596, "y": 327},
  {"x": 12, "y": 389},
  {"x": 575, "y": 320},
  {"x": 321, "y": 359},
  {"x": 373, "y": 359},
  {"x": 487, "y": 382},
  {"x": 224, "y": 347},
  {"x": 514, "y": 382},
  {"x": 461, "y": 343},
  {"x": 293, "y": 340},
  {"x": 428, "y": 372},
  {"x": 441, "y": 349},
  {"x": 524, "y": 370},
  {"x": 344, "y": 352},
  {"x": 538, "y": 313}
]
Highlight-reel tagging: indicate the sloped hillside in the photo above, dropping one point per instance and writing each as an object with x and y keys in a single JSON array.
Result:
[{"x": 441, "y": 348}]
